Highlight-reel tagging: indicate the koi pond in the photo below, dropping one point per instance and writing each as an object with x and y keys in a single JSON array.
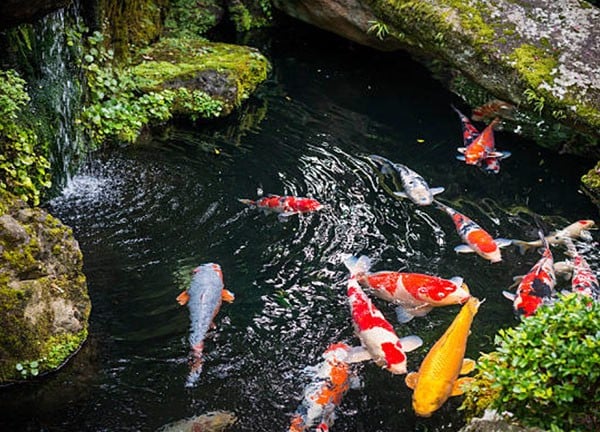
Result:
[{"x": 145, "y": 216}]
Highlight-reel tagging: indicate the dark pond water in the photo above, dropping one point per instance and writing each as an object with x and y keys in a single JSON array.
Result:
[{"x": 146, "y": 216}]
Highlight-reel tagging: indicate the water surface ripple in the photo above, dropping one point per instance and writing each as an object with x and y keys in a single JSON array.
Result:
[{"x": 146, "y": 216}]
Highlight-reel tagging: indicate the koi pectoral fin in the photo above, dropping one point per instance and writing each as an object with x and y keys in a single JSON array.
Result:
[
  {"x": 437, "y": 190},
  {"x": 400, "y": 194},
  {"x": 227, "y": 296},
  {"x": 402, "y": 315},
  {"x": 463, "y": 249},
  {"x": 410, "y": 343},
  {"x": 357, "y": 355},
  {"x": 411, "y": 380},
  {"x": 457, "y": 389},
  {"x": 509, "y": 295},
  {"x": 468, "y": 366},
  {"x": 502, "y": 242},
  {"x": 183, "y": 298}
]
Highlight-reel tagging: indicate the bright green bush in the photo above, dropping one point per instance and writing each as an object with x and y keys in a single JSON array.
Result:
[
  {"x": 24, "y": 169},
  {"x": 546, "y": 371}
]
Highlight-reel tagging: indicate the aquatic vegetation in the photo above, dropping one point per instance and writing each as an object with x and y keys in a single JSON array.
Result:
[
  {"x": 544, "y": 371},
  {"x": 185, "y": 19},
  {"x": 248, "y": 15},
  {"x": 24, "y": 167}
]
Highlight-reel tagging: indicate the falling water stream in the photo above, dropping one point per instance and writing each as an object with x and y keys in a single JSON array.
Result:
[{"x": 145, "y": 216}]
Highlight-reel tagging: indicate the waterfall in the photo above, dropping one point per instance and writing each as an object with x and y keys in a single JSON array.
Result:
[{"x": 58, "y": 90}]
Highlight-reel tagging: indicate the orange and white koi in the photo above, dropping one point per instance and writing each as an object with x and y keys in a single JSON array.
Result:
[
  {"x": 415, "y": 294},
  {"x": 438, "y": 375},
  {"x": 331, "y": 380},
  {"x": 537, "y": 286},
  {"x": 476, "y": 238},
  {"x": 378, "y": 338},
  {"x": 482, "y": 147},
  {"x": 285, "y": 206},
  {"x": 576, "y": 229},
  {"x": 583, "y": 281},
  {"x": 203, "y": 298},
  {"x": 489, "y": 161}
]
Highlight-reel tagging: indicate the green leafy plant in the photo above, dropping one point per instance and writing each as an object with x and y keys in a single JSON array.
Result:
[
  {"x": 545, "y": 371},
  {"x": 30, "y": 368},
  {"x": 535, "y": 100},
  {"x": 24, "y": 169},
  {"x": 379, "y": 29}
]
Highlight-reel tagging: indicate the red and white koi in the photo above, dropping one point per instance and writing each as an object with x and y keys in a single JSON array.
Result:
[
  {"x": 331, "y": 380},
  {"x": 285, "y": 206},
  {"x": 576, "y": 229},
  {"x": 415, "y": 294},
  {"x": 476, "y": 238},
  {"x": 583, "y": 281},
  {"x": 537, "y": 286},
  {"x": 490, "y": 158},
  {"x": 378, "y": 338},
  {"x": 203, "y": 298}
]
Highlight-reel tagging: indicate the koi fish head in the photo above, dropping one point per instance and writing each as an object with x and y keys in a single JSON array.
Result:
[
  {"x": 395, "y": 359},
  {"x": 473, "y": 158},
  {"x": 586, "y": 224},
  {"x": 426, "y": 406},
  {"x": 442, "y": 292}
]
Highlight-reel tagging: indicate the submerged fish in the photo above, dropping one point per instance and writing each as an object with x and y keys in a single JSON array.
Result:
[
  {"x": 331, "y": 380},
  {"x": 437, "y": 378},
  {"x": 214, "y": 421},
  {"x": 285, "y": 206},
  {"x": 203, "y": 298},
  {"x": 378, "y": 338},
  {"x": 492, "y": 109},
  {"x": 576, "y": 229},
  {"x": 537, "y": 286},
  {"x": 476, "y": 238},
  {"x": 490, "y": 158},
  {"x": 583, "y": 281},
  {"x": 415, "y": 187},
  {"x": 414, "y": 293}
]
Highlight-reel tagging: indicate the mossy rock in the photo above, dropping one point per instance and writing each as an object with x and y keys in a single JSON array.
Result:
[
  {"x": 591, "y": 184},
  {"x": 227, "y": 73},
  {"x": 44, "y": 304}
]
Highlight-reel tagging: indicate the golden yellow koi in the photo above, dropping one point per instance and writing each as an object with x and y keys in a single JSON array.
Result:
[{"x": 437, "y": 378}]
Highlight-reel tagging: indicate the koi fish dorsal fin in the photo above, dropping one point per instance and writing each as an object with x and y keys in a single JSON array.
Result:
[
  {"x": 183, "y": 298},
  {"x": 457, "y": 389},
  {"x": 227, "y": 296},
  {"x": 411, "y": 380},
  {"x": 468, "y": 366}
]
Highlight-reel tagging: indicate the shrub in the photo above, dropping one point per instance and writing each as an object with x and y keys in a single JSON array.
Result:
[{"x": 546, "y": 370}]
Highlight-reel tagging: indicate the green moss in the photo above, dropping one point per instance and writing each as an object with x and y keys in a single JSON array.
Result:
[
  {"x": 59, "y": 348},
  {"x": 250, "y": 14},
  {"x": 192, "y": 18},
  {"x": 591, "y": 180},
  {"x": 533, "y": 64}
]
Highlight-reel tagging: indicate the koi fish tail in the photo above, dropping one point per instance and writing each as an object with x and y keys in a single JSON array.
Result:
[
  {"x": 247, "y": 201},
  {"x": 358, "y": 266},
  {"x": 196, "y": 364}
]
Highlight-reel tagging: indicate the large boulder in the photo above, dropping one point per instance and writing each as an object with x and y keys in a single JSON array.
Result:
[
  {"x": 44, "y": 304},
  {"x": 541, "y": 55}
]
